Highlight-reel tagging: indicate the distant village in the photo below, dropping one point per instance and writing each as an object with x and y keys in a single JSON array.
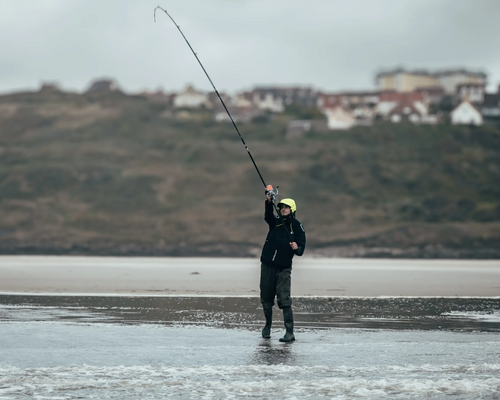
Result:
[{"x": 455, "y": 96}]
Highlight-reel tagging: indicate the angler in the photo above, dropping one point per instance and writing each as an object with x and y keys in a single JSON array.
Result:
[{"x": 286, "y": 238}]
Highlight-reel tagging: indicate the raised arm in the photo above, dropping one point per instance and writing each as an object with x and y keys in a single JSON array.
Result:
[{"x": 269, "y": 214}]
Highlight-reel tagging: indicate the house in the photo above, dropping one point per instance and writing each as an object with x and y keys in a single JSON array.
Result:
[
  {"x": 414, "y": 112},
  {"x": 397, "y": 106},
  {"x": 275, "y": 99},
  {"x": 355, "y": 98},
  {"x": 348, "y": 99},
  {"x": 103, "y": 86},
  {"x": 241, "y": 109},
  {"x": 326, "y": 101},
  {"x": 268, "y": 99},
  {"x": 403, "y": 80},
  {"x": 191, "y": 98},
  {"x": 243, "y": 99},
  {"x": 450, "y": 79},
  {"x": 360, "y": 104},
  {"x": 466, "y": 114},
  {"x": 474, "y": 92},
  {"x": 339, "y": 118}
]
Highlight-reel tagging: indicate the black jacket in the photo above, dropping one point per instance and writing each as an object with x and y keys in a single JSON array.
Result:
[{"x": 277, "y": 251}]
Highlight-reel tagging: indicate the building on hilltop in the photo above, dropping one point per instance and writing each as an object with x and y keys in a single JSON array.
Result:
[
  {"x": 414, "y": 112},
  {"x": 474, "y": 92},
  {"x": 389, "y": 100},
  {"x": 402, "y": 80},
  {"x": 349, "y": 99},
  {"x": 50, "y": 87},
  {"x": 191, "y": 98},
  {"x": 276, "y": 99},
  {"x": 339, "y": 118},
  {"x": 466, "y": 114},
  {"x": 241, "y": 109},
  {"x": 346, "y": 109},
  {"x": 450, "y": 79},
  {"x": 243, "y": 99},
  {"x": 412, "y": 107},
  {"x": 103, "y": 86}
]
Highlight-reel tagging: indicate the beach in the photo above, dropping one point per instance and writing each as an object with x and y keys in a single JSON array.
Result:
[
  {"x": 240, "y": 277},
  {"x": 156, "y": 328}
]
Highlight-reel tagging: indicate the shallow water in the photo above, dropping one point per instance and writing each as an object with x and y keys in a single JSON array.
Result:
[{"x": 67, "y": 347}]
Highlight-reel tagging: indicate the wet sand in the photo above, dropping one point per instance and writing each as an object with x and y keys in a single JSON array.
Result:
[{"x": 240, "y": 277}]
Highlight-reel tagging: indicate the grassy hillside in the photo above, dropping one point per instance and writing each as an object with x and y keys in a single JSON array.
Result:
[{"x": 117, "y": 174}]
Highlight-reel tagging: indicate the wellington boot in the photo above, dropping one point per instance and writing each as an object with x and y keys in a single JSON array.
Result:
[
  {"x": 288, "y": 318},
  {"x": 266, "y": 332}
]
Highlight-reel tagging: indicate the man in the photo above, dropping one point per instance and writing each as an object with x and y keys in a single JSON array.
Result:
[{"x": 286, "y": 238}]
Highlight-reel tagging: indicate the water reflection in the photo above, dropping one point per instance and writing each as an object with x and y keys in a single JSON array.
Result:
[{"x": 269, "y": 352}]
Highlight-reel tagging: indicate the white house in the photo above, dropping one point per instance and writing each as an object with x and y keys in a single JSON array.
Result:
[
  {"x": 339, "y": 118},
  {"x": 243, "y": 100},
  {"x": 384, "y": 108},
  {"x": 267, "y": 100},
  {"x": 409, "y": 111},
  {"x": 191, "y": 98},
  {"x": 466, "y": 114}
]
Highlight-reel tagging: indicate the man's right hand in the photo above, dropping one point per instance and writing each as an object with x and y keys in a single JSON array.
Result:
[{"x": 268, "y": 197}]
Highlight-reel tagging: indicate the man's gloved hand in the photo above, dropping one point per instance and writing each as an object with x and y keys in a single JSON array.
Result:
[{"x": 271, "y": 193}]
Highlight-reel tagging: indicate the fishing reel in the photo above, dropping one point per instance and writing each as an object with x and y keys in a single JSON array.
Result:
[{"x": 272, "y": 192}]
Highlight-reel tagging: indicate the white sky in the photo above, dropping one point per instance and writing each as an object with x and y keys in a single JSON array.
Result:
[{"x": 328, "y": 44}]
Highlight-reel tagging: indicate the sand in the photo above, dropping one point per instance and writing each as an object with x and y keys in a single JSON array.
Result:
[{"x": 240, "y": 277}]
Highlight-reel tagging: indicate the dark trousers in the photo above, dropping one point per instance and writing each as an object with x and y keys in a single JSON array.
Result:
[{"x": 277, "y": 283}]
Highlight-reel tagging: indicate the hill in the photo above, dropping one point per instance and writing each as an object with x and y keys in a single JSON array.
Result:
[{"x": 120, "y": 175}]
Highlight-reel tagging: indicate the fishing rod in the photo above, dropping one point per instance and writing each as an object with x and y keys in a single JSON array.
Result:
[{"x": 272, "y": 191}]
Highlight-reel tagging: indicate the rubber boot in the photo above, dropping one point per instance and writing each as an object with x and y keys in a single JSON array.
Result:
[
  {"x": 266, "y": 332},
  {"x": 288, "y": 318}
]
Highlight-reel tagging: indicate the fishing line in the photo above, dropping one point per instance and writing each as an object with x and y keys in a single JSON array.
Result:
[{"x": 269, "y": 189}]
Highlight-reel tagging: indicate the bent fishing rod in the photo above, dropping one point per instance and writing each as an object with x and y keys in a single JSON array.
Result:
[{"x": 272, "y": 191}]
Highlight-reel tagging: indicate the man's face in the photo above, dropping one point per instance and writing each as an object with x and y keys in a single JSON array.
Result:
[{"x": 285, "y": 211}]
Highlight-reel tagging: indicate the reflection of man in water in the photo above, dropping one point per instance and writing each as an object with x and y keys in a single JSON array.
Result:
[{"x": 276, "y": 259}]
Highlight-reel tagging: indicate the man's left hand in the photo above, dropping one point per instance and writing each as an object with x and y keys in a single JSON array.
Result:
[{"x": 294, "y": 245}]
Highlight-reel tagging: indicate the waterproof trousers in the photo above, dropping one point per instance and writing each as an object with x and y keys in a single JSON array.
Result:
[{"x": 275, "y": 282}]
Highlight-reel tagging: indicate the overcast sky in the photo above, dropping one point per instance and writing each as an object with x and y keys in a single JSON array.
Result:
[{"x": 328, "y": 44}]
